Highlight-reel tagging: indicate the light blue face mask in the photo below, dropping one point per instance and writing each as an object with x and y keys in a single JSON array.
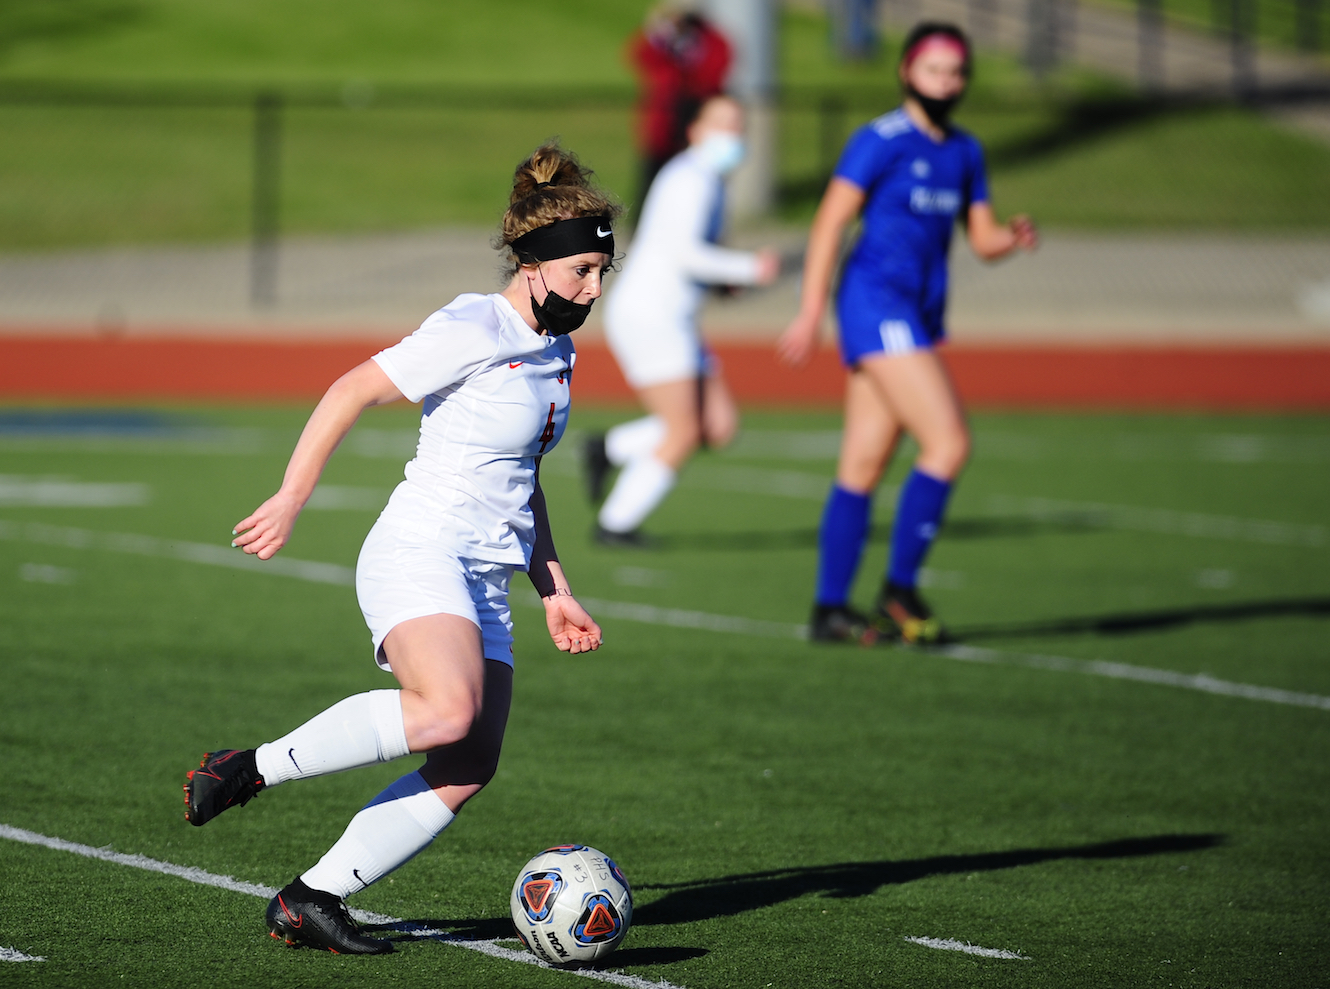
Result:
[{"x": 722, "y": 151}]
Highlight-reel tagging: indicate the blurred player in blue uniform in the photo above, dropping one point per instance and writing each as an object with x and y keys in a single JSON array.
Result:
[{"x": 911, "y": 176}]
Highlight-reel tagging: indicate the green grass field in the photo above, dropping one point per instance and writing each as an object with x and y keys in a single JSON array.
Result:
[
  {"x": 788, "y": 814},
  {"x": 1275, "y": 22},
  {"x": 1075, "y": 151}
]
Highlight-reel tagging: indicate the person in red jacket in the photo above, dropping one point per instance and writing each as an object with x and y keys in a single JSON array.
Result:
[{"x": 681, "y": 61}]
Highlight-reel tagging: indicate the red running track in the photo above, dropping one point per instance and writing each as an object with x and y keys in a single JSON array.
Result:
[{"x": 191, "y": 368}]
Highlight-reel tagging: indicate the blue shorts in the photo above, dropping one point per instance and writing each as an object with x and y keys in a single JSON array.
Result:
[{"x": 874, "y": 319}]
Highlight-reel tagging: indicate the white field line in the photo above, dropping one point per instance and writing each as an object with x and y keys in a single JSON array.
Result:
[
  {"x": 197, "y": 875},
  {"x": 11, "y": 955},
  {"x": 1144, "y": 674},
  {"x": 648, "y": 614},
  {"x": 1160, "y": 520},
  {"x": 946, "y": 944},
  {"x": 345, "y": 498},
  {"x": 677, "y": 618},
  {"x": 169, "y": 442},
  {"x": 173, "y": 549},
  {"x": 54, "y": 492}
]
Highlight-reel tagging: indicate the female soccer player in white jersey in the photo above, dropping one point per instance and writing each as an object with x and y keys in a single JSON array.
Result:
[
  {"x": 493, "y": 372},
  {"x": 912, "y": 176},
  {"x": 651, "y": 324}
]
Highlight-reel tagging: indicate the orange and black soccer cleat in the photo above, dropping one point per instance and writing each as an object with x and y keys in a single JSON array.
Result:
[
  {"x": 302, "y": 915},
  {"x": 225, "y": 778}
]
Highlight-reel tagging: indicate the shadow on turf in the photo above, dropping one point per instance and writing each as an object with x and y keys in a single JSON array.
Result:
[
  {"x": 476, "y": 929},
  {"x": 1151, "y": 621},
  {"x": 787, "y": 539},
  {"x": 706, "y": 899}
]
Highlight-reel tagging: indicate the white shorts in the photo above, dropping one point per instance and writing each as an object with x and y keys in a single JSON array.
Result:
[
  {"x": 654, "y": 351},
  {"x": 401, "y": 576}
]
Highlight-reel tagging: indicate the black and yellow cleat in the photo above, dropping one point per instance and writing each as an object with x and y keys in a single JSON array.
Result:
[
  {"x": 302, "y": 915},
  {"x": 841, "y": 623},
  {"x": 902, "y": 614},
  {"x": 225, "y": 778}
]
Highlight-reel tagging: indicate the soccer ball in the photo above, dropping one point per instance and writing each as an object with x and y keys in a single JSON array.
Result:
[{"x": 571, "y": 904}]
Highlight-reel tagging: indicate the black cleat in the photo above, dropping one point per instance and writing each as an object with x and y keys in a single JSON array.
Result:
[
  {"x": 840, "y": 623},
  {"x": 300, "y": 915},
  {"x": 225, "y": 778},
  {"x": 624, "y": 540},
  {"x": 902, "y": 612},
  {"x": 596, "y": 464}
]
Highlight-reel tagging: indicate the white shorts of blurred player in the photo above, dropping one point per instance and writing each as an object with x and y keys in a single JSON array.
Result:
[
  {"x": 653, "y": 351},
  {"x": 403, "y": 575}
]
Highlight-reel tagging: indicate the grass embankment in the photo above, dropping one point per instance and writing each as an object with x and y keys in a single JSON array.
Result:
[{"x": 1073, "y": 152}]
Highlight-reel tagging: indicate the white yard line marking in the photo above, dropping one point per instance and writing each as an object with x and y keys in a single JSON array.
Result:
[
  {"x": 196, "y": 875},
  {"x": 760, "y": 481},
  {"x": 1144, "y": 674},
  {"x": 946, "y": 944},
  {"x": 678, "y": 618},
  {"x": 648, "y": 614},
  {"x": 174, "y": 549},
  {"x": 11, "y": 955},
  {"x": 54, "y": 492},
  {"x": 345, "y": 498},
  {"x": 1161, "y": 520},
  {"x": 190, "y": 873},
  {"x": 169, "y": 442}
]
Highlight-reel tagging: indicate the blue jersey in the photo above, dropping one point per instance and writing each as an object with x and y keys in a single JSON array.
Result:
[{"x": 916, "y": 187}]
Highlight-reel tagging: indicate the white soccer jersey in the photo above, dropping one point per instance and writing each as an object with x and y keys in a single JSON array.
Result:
[
  {"x": 671, "y": 257},
  {"x": 651, "y": 309},
  {"x": 495, "y": 397}
]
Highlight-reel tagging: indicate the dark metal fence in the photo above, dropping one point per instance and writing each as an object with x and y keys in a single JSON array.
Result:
[{"x": 1049, "y": 30}]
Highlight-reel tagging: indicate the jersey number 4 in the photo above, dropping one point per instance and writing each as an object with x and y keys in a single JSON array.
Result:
[{"x": 548, "y": 434}]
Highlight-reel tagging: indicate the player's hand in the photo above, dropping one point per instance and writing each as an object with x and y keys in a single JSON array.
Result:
[
  {"x": 267, "y": 530},
  {"x": 768, "y": 266},
  {"x": 571, "y": 628},
  {"x": 798, "y": 343},
  {"x": 1025, "y": 232}
]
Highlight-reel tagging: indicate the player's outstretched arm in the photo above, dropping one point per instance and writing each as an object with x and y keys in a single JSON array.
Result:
[
  {"x": 571, "y": 628},
  {"x": 992, "y": 240},
  {"x": 267, "y": 530},
  {"x": 840, "y": 205}
]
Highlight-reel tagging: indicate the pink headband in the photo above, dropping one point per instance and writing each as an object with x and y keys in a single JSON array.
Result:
[{"x": 935, "y": 41}]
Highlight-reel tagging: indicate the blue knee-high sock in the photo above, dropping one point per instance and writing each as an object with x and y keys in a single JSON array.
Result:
[
  {"x": 919, "y": 510},
  {"x": 841, "y": 543}
]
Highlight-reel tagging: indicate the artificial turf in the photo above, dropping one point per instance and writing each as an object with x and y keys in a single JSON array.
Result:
[{"x": 788, "y": 814}]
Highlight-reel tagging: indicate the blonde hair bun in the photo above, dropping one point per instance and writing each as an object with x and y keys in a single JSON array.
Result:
[{"x": 551, "y": 185}]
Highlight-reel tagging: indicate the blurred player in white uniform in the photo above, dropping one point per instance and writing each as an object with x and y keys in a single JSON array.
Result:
[
  {"x": 651, "y": 325},
  {"x": 493, "y": 372}
]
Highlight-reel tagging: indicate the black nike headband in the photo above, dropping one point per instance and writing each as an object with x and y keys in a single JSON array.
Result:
[{"x": 564, "y": 238}]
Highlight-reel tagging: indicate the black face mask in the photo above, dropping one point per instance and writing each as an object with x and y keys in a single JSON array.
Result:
[
  {"x": 938, "y": 111},
  {"x": 557, "y": 315}
]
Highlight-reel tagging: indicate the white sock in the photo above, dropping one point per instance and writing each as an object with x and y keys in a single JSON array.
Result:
[
  {"x": 396, "y": 825},
  {"x": 360, "y": 731},
  {"x": 630, "y": 440},
  {"x": 641, "y": 486}
]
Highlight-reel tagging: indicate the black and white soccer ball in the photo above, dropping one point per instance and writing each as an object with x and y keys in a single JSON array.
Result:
[{"x": 571, "y": 904}]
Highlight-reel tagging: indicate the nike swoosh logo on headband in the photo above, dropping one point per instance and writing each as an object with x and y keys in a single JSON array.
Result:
[{"x": 603, "y": 233}]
